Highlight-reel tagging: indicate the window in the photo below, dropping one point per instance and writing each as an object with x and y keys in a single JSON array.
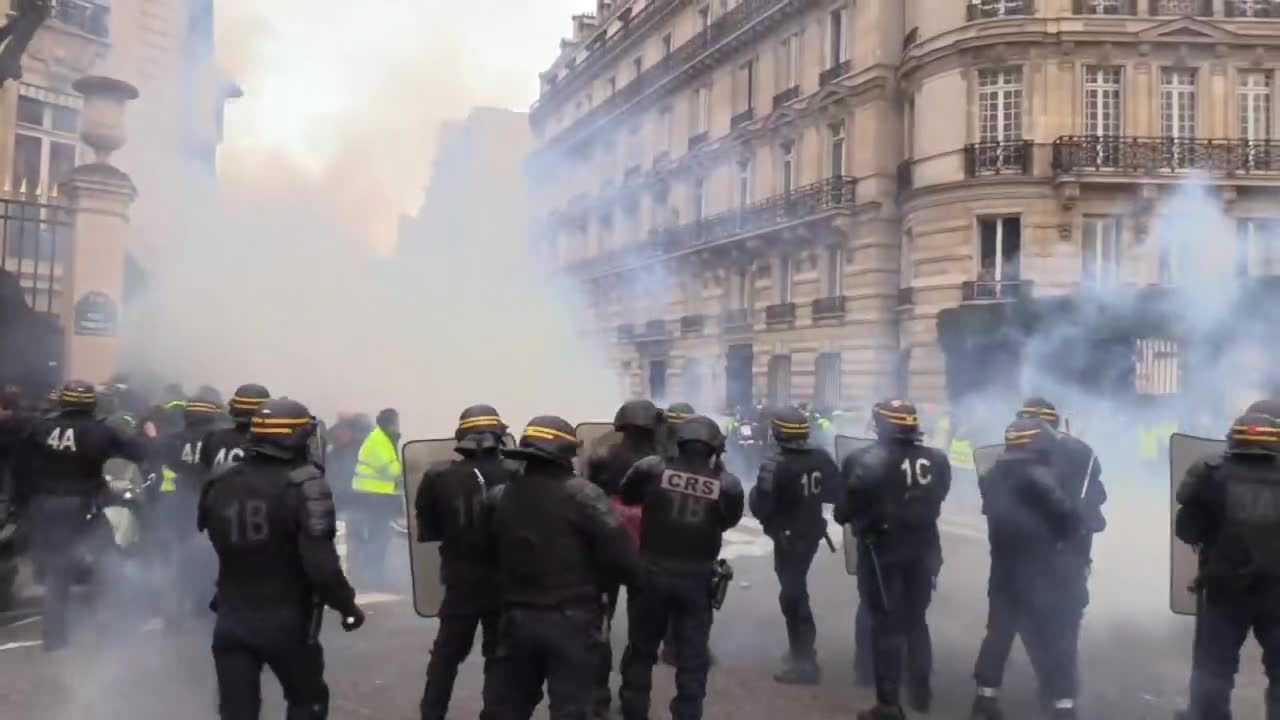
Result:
[
  {"x": 835, "y": 271},
  {"x": 837, "y": 45},
  {"x": 1100, "y": 250},
  {"x": 663, "y": 130},
  {"x": 789, "y": 62},
  {"x": 1178, "y": 103},
  {"x": 836, "y": 150},
  {"x": 699, "y": 198},
  {"x": 744, "y": 280},
  {"x": 1258, "y": 249},
  {"x": 784, "y": 279},
  {"x": 1254, "y": 101},
  {"x": 47, "y": 139},
  {"x": 27, "y": 153},
  {"x": 744, "y": 87},
  {"x": 1000, "y": 255},
  {"x": 788, "y": 167},
  {"x": 637, "y": 66},
  {"x": 701, "y": 110},
  {"x": 999, "y": 105},
  {"x": 31, "y": 111},
  {"x": 611, "y": 86},
  {"x": 704, "y": 18},
  {"x": 744, "y": 183},
  {"x": 1102, "y": 113},
  {"x": 666, "y": 45}
]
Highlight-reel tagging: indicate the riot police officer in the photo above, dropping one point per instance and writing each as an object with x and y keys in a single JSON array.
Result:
[
  {"x": 557, "y": 543},
  {"x": 1036, "y": 587},
  {"x": 448, "y": 508},
  {"x": 895, "y": 491},
  {"x": 227, "y": 445},
  {"x": 675, "y": 414},
  {"x": 65, "y": 455},
  {"x": 1230, "y": 510},
  {"x": 1078, "y": 471},
  {"x": 787, "y": 500},
  {"x": 689, "y": 503},
  {"x": 639, "y": 422},
  {"x": 270, "y": 518}
]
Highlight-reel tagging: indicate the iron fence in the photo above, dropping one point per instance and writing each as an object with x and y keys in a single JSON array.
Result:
[
  {"x": 35, "y": 237},
  {"x": 1145, "y": 155}
]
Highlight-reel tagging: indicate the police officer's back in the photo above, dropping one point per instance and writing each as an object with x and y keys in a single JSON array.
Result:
[
  {"x": 557, "y": 544},
  {"x": 1230, "y": 509},
  {"x": 688, "y": 503},
  {"x": 675, "y": 414},
  {"x": 65, "y": 454},
  {"x": 271, "y": 520},
  {"x": 449, "y": 507},
  {"x": 223, "y": 445},
  {"x": 1078, "y": 471},
  {"x": 894, "y": 494},
  {"x": 787, "y": 500}
]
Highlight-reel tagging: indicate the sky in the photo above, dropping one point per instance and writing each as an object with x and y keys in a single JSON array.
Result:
[{"x": 344, "y": 100}]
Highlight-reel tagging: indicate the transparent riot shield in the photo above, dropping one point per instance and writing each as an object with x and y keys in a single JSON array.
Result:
[
  {"x": 594, "y": 435},
  {"x": 1184, "y": 451},
  {"x": 984, "y": 458},
  {"x": 318, "y": 445},
  {"x": 846, "y": 445},
  {"x": 424, "y": 558}
]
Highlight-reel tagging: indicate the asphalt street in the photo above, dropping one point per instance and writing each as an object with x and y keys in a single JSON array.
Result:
[{"x": 1134, "y": 654}]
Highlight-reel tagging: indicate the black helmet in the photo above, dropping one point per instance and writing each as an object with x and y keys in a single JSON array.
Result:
[
  {"x": 1038, "y": 407},
  {"x": 642, "y": 414},
  {"x": 199, "y": 411},
  {"x": 549, "y": 438},
  {"x": 700, "y": 429},
  {"x": 78, "y": 395},
  {"x": 281, "y": 429},
  {"x": 480, "y": 419},
  {"x": 790, "y": 427},
  {"x": 1270, "y": 408},
  {"x": 247, "y": 400},
  {"x": 679, "y": 412},
  {"x": 1254, "y": 433},
  {"x": 1028, "y": 435},
  {"x": 896, "y": 420}
]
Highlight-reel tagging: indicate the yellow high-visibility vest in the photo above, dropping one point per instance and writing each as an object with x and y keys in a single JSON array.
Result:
[
  {"x": 378, "y": 465},
  {"x": 961, "y": 454},
  {"x": 168, "y": 484},
  {"x": 1152, "y": 440}
]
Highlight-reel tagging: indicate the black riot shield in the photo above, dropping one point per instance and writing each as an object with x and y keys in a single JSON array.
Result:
[
  {"x": 424, "y": 558},
  {"x": 845, "y": 446},
  {"x": 1184, "y": 451},
  {"x": 985, "y": 457},
  {"x": 594, "y": 435}
]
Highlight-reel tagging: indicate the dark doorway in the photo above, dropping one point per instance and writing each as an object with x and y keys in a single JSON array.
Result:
[
  {"x": 826, "y": 391},
  {"x": 737, "y": 377},
  {"x": 658, "y": 381},
  {"x": 779, "y": 381}
]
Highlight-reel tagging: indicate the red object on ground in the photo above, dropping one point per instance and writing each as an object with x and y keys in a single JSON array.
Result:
[{"x": 631, "y": 516}]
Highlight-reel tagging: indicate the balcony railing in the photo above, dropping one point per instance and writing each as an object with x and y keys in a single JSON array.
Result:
[
  {"x": 742, "y": 118},
  {"x": 833, "y": 73},
  {"x": 1105, "y": 7},
  {"x": 626, "y": 331},
  {"x": 692, "y": 324},
  {"x": 90, "y": 18},
  {"x": 724, "y": 28},
  {"x": 736, "y": 320},
  {"x": 1165, "y": 8},
  {"x": 906, "y": 297},
  {"x": 1252, "y": 8},
  {"x": 987, "y": 9},
  {"x": 697, "y": 140},
  {"x": 1000, "y": 157},
  {"x": 780, "y": 313},
  {"x": 786, "y": 96},
  {"x": 1148, "y": 155},
  {"x": 995, "y": 291},
  {"x": 828, "y": 307}
]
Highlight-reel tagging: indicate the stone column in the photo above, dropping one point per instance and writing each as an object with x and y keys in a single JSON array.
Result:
[{"x": 99, "y": 197}]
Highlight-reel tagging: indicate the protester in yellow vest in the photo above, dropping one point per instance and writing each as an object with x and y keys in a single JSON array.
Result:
[{"x": 377, "y": 483}]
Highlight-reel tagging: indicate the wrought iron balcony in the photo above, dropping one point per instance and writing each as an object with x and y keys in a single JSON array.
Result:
[
  {"x": 1105, "y": 7},
  {"x": 652, "y": 330},
  {"x": 828, "y": 307},
  {"x": 1252, "y": 8},
  {"x": 1166, "y": 8},
  {"x": 626, "y": 331},
  {"x": 786, "y": 96},
  {"x": 692, "y": 324},
  {"x": 737, "y": 320},
  {"x": 697, "y": 140},
  {"x": 742, "y": 118},
  {"x": 1150, "y": 155},
  {"x": 987, "y": 9},
  {"x": 833, "y": 73},
  {"x": 90, "y": 18},
  {"x": 1001, "y": 157},
  {"x": 995, "y": 291},
  {"x": 780, "y": 313},
  {"x": 906, "y": 297}
]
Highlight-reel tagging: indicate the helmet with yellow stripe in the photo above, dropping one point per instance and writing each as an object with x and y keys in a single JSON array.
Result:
[
  {"x": 547, "y": 438},
  {"x": 1254, "y": 433},
  {"x": 1030, "y": 435},
  {"x": 896, "y": 420},
  {"x": 480, "y": 419},
  {"x": 281, "y": 429},
  {"x": 246, "y": 401},
  {"x": 1038, "y": 407},
  {"x": 790, "y": 427},
  {"x": 78, "y": 395},
  {"x": 201, "y": 410}
]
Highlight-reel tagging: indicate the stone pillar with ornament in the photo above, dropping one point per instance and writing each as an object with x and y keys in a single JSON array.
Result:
[{"x": 99, "y": 196}]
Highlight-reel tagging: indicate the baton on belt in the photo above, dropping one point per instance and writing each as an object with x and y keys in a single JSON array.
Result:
[
  {"x": 827, "y": 536},
  {"x": 875, "y": 565}
]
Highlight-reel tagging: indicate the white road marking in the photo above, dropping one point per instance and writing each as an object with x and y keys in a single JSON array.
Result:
[
  {"x": 16, "y": 645},
  {"x": 374, "y": 598}
]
